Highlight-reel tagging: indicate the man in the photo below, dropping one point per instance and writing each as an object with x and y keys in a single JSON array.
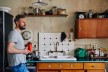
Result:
[{"x": 16, "y": 49}]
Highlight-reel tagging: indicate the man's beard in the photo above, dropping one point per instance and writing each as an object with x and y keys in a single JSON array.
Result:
[{"x": 21, "y": 27}]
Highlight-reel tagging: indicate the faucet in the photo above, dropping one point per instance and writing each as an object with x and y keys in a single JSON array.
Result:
[{"x": 57, "y": 43}]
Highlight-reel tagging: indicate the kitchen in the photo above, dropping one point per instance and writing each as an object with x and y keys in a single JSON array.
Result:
[{"x": 58, "y": 24}]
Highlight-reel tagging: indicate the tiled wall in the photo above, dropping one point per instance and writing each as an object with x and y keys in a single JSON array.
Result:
[{"x": 47, "y": 42}]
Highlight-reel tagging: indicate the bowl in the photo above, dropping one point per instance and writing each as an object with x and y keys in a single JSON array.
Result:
[{"x": 6, "y": 9}]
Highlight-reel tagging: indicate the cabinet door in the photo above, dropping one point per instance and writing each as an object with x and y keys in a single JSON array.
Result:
[
  {"x": 72, "y": 70},
  {"x": 87, "y": 28},
  {"x": 95, "y": 70},
  {"x": 102, "y": 28}
]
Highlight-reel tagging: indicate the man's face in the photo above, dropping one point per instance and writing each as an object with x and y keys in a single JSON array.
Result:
[{"x": 22, "y": 23}]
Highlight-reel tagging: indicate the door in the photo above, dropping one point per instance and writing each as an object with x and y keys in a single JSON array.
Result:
[
  {"x": 102, "y": 28},
  {"x": 6, "y": 26},
  {"x": 1, "y": 41},
  {"x": 87, "y": 28}
]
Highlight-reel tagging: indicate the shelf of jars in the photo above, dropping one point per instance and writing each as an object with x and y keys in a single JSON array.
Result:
[{"x": 63, "y": 15}]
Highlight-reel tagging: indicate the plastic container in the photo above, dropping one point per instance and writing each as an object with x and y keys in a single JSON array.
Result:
[
  {"x": 29, "y": 46},
  {"x": 80, "y": 52}
]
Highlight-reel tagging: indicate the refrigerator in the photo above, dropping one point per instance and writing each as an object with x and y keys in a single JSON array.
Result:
[{"x": 6, "y": 25}]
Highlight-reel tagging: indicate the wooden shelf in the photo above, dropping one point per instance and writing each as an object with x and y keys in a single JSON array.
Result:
[{"x": 46, "y": 15}]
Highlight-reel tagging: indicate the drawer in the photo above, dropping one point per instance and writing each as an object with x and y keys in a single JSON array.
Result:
[
  {"x": 94, "y": 65},
  {"x": 49, "y": 65},
  {"x": 95, "y": 70},
  {"x": 72, "y": 65},
  {"x": 60, "y": 65}
]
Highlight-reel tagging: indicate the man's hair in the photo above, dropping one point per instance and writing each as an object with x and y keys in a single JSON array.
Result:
[{"x": 18, "y": 17}]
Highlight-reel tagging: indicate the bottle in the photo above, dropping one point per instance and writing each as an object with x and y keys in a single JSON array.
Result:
[
  {"x": 34, "y": 51},
  {"x": 90, "y": 14}
]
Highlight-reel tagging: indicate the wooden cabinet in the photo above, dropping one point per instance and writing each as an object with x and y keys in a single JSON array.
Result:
[
  {"x": 91, "y": 28},
  {"x": 94, "y": 67},
  {"x": 70, "y": 67},
  {"x": 61, "y": 67}
]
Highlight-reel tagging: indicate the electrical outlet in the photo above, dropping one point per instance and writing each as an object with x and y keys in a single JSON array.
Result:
[{"x": 95, "y": 45}]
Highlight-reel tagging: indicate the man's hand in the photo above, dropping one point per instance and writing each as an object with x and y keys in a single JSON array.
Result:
[{"x": 26, "y": 51}]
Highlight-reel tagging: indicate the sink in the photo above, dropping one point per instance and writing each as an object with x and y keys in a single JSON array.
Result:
[{"x": 58, "y": 58}]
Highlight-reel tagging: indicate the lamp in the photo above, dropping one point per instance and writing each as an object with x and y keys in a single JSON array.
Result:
[{"x": 39, "y": 3}]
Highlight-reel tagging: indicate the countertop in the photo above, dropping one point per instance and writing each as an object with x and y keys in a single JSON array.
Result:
[{"x": 78, "y": 60}]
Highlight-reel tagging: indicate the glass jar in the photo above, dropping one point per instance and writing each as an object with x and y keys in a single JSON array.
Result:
[
  {"x": 43, "y": 11},
  {"x": 54, "y": 10},
  {"x": 30, "y": 10},
  {"x": 25, "y": 10},
  {"x": 61, "y": 11}
]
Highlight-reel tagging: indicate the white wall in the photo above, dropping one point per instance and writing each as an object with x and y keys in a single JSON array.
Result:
[{"x": 58, "y": 24}]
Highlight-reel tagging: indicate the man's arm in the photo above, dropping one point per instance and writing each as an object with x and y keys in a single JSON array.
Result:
[{"x": 12, "y": 49}]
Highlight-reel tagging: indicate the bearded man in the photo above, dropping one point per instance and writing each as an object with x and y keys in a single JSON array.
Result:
[{"x": 16, "y": 49}]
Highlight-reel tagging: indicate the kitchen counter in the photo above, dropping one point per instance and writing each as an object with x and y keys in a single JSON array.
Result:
[
  {"x": 80, "y": 65},
  {"x": 78, "y": 60}
]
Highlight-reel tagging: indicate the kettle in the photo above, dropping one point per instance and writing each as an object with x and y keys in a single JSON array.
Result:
[{"x": 80, "y": 52}]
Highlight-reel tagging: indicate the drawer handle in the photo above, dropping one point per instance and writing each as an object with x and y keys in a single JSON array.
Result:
[
  {"x": 71, "y": 65},
  {"x": 49, "y": 66},
  {"x": 60, "y": 66},
  {"x": 93, "y": 66},
  {"x": 80, "y": 28}
]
